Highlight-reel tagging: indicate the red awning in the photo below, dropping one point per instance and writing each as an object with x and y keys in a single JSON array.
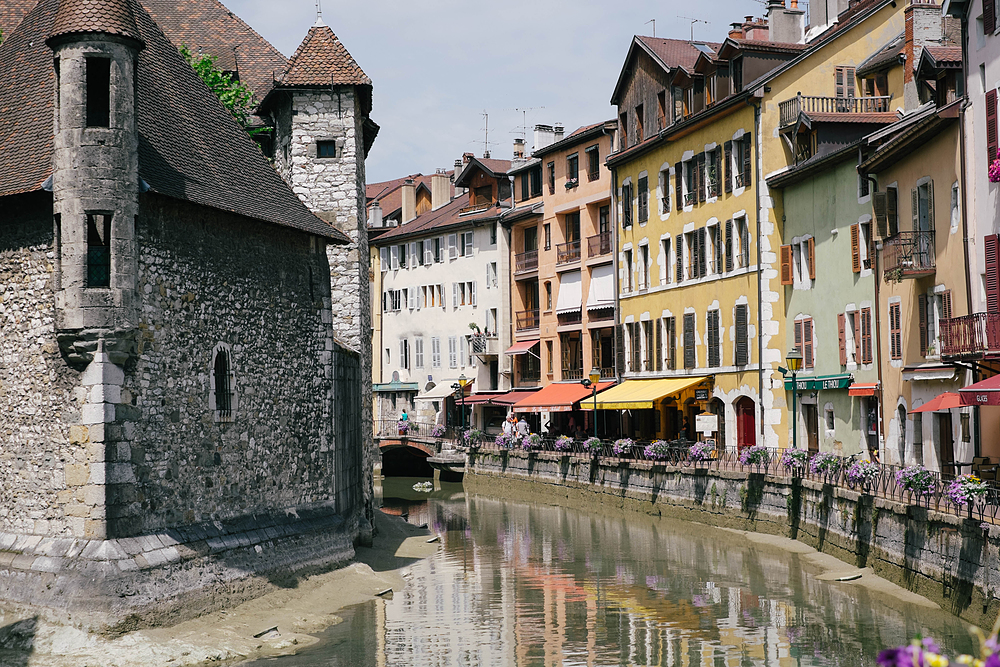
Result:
[
  {"x": 558, "y": 397},
  {"x": 868, "y": 389},
  {"x": 984, "y": 392},
  {"x": 945, "y": 401},
  {"x": 504, "y": 399},
  {"x": 522, "y": 347}
]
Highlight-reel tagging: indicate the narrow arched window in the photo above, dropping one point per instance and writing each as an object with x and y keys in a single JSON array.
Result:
[{"x": 222, "y": 392}]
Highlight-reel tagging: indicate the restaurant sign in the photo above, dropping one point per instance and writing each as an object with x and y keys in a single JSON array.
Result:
[{"x": 821, "y": 382}]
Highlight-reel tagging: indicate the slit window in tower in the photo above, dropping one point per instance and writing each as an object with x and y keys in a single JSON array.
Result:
[
  {"x": 98, "y": 92},
  {"x": 98, "y": 250},
  {"x": 223, "y": 390}
]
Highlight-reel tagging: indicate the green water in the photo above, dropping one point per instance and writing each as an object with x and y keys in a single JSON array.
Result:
[{"x": 523, "y": 584}]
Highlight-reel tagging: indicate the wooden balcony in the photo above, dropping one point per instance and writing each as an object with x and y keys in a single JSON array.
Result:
[
  {"x": 572, "y": 374},
  {"x": 970, "y": 336},
  {"x": 526, "y": 261},
  {"x": 527, "y": 320},
  {"x": 568, "y": 252},
  {"x": 908, "y": 255},
  {"x": 789, "y": 109},
  {"x": 598, "y": 245}
]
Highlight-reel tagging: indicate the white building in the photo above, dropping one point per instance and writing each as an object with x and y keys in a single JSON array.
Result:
[{"x": 442, "y": 290}]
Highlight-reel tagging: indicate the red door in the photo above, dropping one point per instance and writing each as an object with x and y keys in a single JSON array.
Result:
[{"x": 746, "y": 424}]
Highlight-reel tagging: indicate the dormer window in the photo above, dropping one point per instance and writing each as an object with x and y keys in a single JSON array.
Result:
[
  {"x": 98, "y": 92},
  {"x": 736, "y": 71}
]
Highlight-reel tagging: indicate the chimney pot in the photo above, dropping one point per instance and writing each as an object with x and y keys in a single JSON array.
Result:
[
  {"x": 440, "y": 189},
  {"x": 467, "y": 157},
  {"x": 409, "y": 191}
]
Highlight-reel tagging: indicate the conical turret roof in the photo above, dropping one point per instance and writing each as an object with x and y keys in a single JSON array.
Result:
[
  {"x": 114, "y": 17},
  {"x": 321, "y": 60}
]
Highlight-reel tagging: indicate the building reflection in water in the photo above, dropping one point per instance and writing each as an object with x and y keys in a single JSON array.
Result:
[{"x": 521, "y": 584}]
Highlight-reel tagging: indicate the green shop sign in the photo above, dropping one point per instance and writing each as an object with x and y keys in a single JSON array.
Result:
[{"x": 821, "y": 382}]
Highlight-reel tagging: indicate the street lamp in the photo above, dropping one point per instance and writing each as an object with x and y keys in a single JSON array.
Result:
[
  {"x": 460, "y": 387},
  {"x": 794, "y": 361},
  {"x": 591, "y": 381}
]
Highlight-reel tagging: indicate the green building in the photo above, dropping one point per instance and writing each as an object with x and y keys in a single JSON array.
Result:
[{"x": 829, "y": 297}]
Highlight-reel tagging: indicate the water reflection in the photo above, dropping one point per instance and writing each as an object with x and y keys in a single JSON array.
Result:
[{"x": 521, "y": 584}]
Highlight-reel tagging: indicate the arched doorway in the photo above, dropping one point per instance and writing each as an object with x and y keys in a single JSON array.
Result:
[{"x": 746, "y": 422}]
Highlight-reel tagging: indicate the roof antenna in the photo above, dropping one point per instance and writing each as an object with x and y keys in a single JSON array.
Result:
[
  {"x": 693, "y": 21},
  {"x": 653, "y": 21},
  {"x": 319, "y": 15}
]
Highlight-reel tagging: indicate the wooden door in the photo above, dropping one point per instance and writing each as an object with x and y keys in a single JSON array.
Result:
[
  {"x": 945, "y": 443},
  {"x": 746, "y": 426},
  {"x": 812, "y": 427}
]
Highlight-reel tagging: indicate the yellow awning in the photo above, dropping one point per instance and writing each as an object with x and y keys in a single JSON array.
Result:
[{"x": 640, "y": 394}]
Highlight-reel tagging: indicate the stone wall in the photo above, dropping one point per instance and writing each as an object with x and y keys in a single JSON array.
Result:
[
  {"x": 262, "y": 292},
  {"x": 39, "y": 393},
  {"x": 950, "y": 560}
]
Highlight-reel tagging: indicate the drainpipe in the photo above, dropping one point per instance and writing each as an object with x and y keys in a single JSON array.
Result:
[
  {"x": 760, "y": 295},
  {"x": 878, "y": 331}
]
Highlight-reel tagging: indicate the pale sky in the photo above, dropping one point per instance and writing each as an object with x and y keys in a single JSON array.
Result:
[{"x": 436, "y": 65}]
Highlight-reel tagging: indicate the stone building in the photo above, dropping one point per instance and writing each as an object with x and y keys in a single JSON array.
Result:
[{"x": 180, "y": 423}]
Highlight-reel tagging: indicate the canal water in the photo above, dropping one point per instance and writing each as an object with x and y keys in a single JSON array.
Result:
[{"x": 517, "y": 583}]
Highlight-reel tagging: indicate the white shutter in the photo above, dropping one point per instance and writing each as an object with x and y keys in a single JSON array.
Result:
[
  {"x": 436, "y": 352},
  {"x": 452, "y": 352},
  {"x": 454, "y": 295},
  {"x": 463, "y": 354},
  {"x": 402, "y": 353},
  {"x": 489, "y": 275},
  {"x": 394, "y": 254},
  {"x": 383, "y": 259},
  {"x": 473, "y": 293},
  {"x": 467, "y": 244},
  {"x": 452, "y": 246},
  {"x": 429, "y": 251},
  {"x": 442, "y": 245},
  {"x": 414, "y": 260}
]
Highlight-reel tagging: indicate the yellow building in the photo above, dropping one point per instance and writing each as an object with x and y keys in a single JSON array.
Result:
[{"x": 698, "y": 232}]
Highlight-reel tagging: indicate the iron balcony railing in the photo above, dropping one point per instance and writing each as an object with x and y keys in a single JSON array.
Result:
[
  {"x": 789, "y": 109},
  {"x": 390, "y": 428},
  {"x": 484, "y": 344},
  {"x": 976, "y": 335},
  {"x": 526, "y": 261},
  {"x": 527, "y": 319},
  {"x": 568, "y": 252},
  {"x": 908, "y": 255},
  {"x": 599, "y": 244}
]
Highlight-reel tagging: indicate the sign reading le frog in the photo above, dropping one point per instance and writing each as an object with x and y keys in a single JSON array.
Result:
[{"x": 821, "y": 382}]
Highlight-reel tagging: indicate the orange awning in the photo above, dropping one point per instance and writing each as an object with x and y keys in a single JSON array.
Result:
[
  {"x": 522, "y": 347},
  {"x": 558, "y": 397},
  {"x": 867, "y": 389},
  {"x": 945, "y": 401}
]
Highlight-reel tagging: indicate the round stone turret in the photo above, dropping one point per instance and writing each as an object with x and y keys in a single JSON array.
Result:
[{"x": 95, "y": 170}]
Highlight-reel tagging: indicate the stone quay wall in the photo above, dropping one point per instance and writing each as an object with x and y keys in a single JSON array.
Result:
[{"x": 950, "y": 560}]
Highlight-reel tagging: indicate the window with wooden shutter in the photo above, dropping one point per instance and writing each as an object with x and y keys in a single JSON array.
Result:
[
  {"x": 747, "y": 161},
  {"x": 702, "y": 178},
  {"x": 856, "y": 248},
  {"x": 727, "y": 166},
  {"x": 658, "y": 344},
  {"x": 992, "y": 251},
  {"x": 922, "y": 323},
  {"x": 798, "y": 336},
  {"x": 742, "y": 344},
  {"x": 879, "y": 206},
  {"x": 713, "y": 338},
  {"x": 866, "y": 335},
  {"x": 989, "y": 16},
  {"x": 842, "y": 338},
  {"x": 892, "y": 210},
  {"x": 671, "y": 343},
  {"x": 930, "y": 204},
  {"x": 786, "y": 265},
  {"x": 702, "y": 252},
  {"x": 679, "y": 252},
  {"x": 689, "y": 356},
  {"x": 946, "y": 304},
  {"x": 717, "y": 241},
  {"x": 679, "y": 185},
  {"x": 856, "y": 325},
  {"x": 729, "y": 245},
  {"x": 991, "y": 121},
  {"x": 895, "y": 332},
  {"x": 845, "y": 82},
  {"x": 811, "y": 257},
  {"x": 807, "y": 343},
  {"x": 626, "y": 205}
]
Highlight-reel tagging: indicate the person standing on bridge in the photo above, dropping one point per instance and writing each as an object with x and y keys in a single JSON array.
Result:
[
  {"x": 404, "y": 417},
  {"x": 522, "y": 427}
]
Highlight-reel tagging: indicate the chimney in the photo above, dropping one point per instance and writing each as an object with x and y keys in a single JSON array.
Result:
[
  {"x": 786, "y": 25},
  {"x": 467, "y": 158},
  {"x": 558, "y": 131},
  {"x": 409, "y": 191},
  {"x": 756, "y": 29},
  {"x": 440, "y": 189},
  {"x": 736, "y": 31},
  {"x": 375, "y": 215},
  {"x": 544, "y": 136},
  {"x": 518, "y": 148},
  {"x": 922, "y": 27}
]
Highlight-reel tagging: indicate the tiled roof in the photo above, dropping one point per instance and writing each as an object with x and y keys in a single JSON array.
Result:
[
  {"x": 673, "y": 52},
  {"x": 381, "y": 189},
  {"x": 886, "y": 117},
  {"x": 206, "y": 26},
  {"x": 389, "y": 194},
  {"x": 766, "y": 45},
  {"x": 12, "y": 12},
  {"x": 579, "y": 135},
  {"x": 446, "y": 217},
  {"x": 113, "y": 17},
  {"x": 942, "y": 55},
  {"x": 887, "y": 56},
  {"x": 190, "y": 147},
  {"x": 321, "y": 60},
  {"x": 498, "y": 167}
]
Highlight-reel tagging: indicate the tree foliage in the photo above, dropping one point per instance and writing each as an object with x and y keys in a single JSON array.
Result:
[{"x": 233, "y": 94}]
